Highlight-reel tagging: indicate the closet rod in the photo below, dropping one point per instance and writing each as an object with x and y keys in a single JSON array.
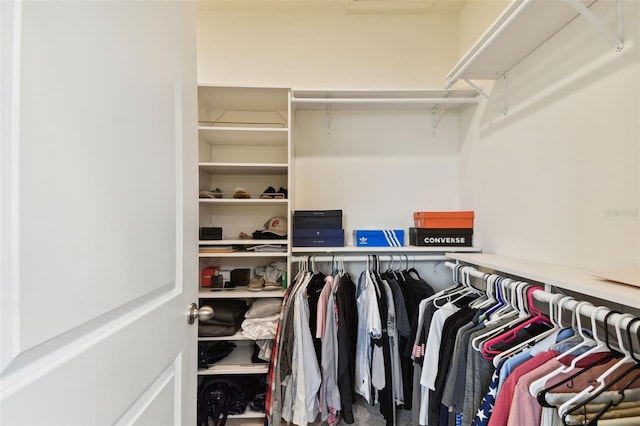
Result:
[
  {"x": 417, "y": 101},
  {"x": 546, "y": 297},
  {"x": 361, "y": 258}
]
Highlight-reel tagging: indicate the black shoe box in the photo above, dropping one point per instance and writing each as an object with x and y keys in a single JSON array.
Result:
[
  {"x": 210, "y": 233},
  {"x": 317, "y": 219},
  {"x": 318, "y": 237},
  {"x": 441, "y": 237}
]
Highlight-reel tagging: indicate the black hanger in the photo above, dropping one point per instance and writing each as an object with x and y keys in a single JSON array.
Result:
[
  {"x": 606, "y": 332},
  {"x": 633, "y": 355},
  {"x": 612, "y": 403},
  {"x": 604, "y": 389},
  {"x": 542, "y": 395}
]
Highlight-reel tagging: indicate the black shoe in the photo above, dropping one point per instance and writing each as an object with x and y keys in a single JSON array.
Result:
[
  {"x": 282, "y": 193},
  {"x": 269, "y": 192}
]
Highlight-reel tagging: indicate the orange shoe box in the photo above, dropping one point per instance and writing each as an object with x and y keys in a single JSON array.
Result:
[{"x": 461, "y": 219}]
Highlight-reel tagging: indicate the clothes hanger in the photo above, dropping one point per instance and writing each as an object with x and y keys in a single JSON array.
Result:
[
  {"x": 633, "y": 352},
  {"x": 509, "y": 290},
  {"x": 490, "y": 299},
  {"x": 612, "y": 402},
  {"x": 497, "y": 292},
  {"x": 539, "y": 384},
  {"x": 541, "y": 395},
  {"x": 553, "y": 319},
  {"x": 463, "y": 289},
  {"x": 591, "y": 390},
  {"x": 535, "y": 317},
  {"x": 478, "y": 342}
]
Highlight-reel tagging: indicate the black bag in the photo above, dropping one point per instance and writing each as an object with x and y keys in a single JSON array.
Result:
[
  {"x": 220, "y": 396},
  {"x": 211, "y": 353}
]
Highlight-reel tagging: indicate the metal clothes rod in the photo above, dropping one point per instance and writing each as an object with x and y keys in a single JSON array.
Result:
[
  {"x": 355, "y": 101},
  {"x": 361, "y": 258},
  {"x": 545, "y": 297}
]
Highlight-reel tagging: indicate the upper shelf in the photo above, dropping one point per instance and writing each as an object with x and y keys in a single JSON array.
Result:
[
  {"x": 244, "y": 135},
  {"x": 381, "y": 99},
  {"x": 573, "y": 279},
  {"x": 244, "y": 168},
  {"x": 388, "y": 250},
  {"x": 520, "y": 29},
  {"x": 243, "y": 98}
]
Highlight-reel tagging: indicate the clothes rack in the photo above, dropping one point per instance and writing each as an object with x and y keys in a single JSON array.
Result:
[
  {"x": 364, "y": 258},
  {"x": 547, "y": 297}
]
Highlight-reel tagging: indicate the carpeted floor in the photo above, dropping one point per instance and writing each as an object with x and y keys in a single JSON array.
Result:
[{"x": 367, "y": 415}]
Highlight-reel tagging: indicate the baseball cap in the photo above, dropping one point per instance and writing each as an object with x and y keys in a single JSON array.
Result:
[{"x": 276, "y": 225}]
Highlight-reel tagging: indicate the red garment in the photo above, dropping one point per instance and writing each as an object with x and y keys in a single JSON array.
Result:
[{"x": 500, "y": 414}]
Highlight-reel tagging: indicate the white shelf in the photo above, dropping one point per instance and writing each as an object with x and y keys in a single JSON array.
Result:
[
  {"x": 243, "y": 98},
  {"x": 244, "y": 201},
  {"x": 250, "y": 254},
  {"x": 573, "y": 279},
  {"x": 519, "y": 30},
  {"x": 237, "y": 336},
  {"x": 241, "y": 242},
  {"x": 237, "y": 362},
  {"x": 382, "y": 99},
  {"x": 244, "y": 168},
  {"x": 244, "y": 135},
  {"x": 239, "y": 293},
  {"x": 365, "y": 250},
  {"x": 248, "y": 414}
]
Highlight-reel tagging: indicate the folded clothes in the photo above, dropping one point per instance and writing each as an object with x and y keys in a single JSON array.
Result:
[{"x": 260, "y": 328}]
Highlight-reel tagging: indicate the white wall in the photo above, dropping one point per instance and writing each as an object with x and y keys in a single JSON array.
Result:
[
  {"x": 314, "y": 46},
  {"x": 378, "y": 166},
  {"x": 557, "y": 179}
]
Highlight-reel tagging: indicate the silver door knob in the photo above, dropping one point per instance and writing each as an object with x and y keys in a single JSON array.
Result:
[{"x": 203, "y": 314}]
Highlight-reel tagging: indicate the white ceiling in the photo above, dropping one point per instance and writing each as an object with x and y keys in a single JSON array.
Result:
[{"x": 352, "y": 6}]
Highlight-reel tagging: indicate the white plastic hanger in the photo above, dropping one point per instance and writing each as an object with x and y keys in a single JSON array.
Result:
[
  {"x": 517, "y": 307},
  {"x": 490, "y": 299},
  {"x": 523, "y": 345},
  {"x": 589, "y": 390},
  {"x": 539, "y": 384}
]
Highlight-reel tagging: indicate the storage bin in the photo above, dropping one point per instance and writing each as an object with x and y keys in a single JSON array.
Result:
[
  {"x": 318, "y": 237},
  {"x": 445, "y": 237},
  {"x": 379, "y": 237},
  {"x": 461, "y": 219},
  {"x": 210, "y": 233},
  {"x": 317, "y": 219}
]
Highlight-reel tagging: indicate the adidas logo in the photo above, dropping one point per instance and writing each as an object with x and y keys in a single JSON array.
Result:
[{"x": 363, "y": 240}]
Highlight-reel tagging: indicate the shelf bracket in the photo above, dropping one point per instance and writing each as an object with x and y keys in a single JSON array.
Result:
[
  {"x": 614, "y": 36},
  {"x": 504, "y": 107},
  {"x": 436, "y": 116},
  {"x": 327, "y": 119}
]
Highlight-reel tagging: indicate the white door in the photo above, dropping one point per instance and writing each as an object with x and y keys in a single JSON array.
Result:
[{"x": 98, "y": 212}]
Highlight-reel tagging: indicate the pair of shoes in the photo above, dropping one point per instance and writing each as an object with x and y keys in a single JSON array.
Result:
[
  {"x": 270, "y": 192},
  {"x": 256, "y": 284},
  {"x": 214, "y": 193},
  {"x": 241, "y": 193}
]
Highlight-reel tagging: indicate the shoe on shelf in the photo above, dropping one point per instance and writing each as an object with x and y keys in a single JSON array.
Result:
[
  {"x": 268, "y": 193},
  {"x": 282, "y": 193},
  {"x": 241, "y": 193},
  {"x": 214, "y": 193},
  {"x": 256, "y": 284},
  {"x": 244, "y": 236}
]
